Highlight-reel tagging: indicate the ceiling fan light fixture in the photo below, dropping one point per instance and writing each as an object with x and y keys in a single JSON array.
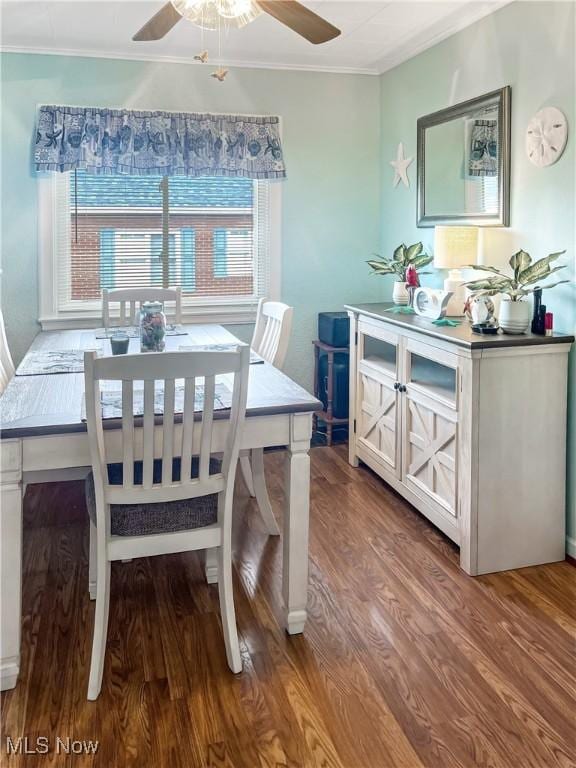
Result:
[
  {"x": 239, "y": 9},
  {"x": 207, "y": 14}
]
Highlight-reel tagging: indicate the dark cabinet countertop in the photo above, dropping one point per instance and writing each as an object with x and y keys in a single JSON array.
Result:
[{"x": 461, "y": 335}]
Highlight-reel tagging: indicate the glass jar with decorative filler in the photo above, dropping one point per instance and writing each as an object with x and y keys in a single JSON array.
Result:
[{"x": 152, "y": 327}]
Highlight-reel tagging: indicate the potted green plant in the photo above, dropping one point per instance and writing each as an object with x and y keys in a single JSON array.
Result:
[
  {"x": 527, "y": 276},
  {"x": 403, "y": 257}
]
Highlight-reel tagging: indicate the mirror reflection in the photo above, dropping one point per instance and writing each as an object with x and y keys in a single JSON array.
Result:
[{"x": 463, "y": 156}]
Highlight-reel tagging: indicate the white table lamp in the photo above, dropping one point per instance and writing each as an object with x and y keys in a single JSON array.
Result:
[{"x": 454, "y": 248}]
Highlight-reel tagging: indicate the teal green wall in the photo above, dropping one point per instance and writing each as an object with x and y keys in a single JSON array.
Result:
[
  {"x": 330, "y": 202},
  {"x": 529, "y": 46}
]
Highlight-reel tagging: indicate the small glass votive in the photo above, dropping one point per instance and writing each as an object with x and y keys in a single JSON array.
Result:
[{"x": 119, "y": 343}]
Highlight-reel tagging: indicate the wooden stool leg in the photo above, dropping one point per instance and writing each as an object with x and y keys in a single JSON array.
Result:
[{"x": 330, "y": 395}]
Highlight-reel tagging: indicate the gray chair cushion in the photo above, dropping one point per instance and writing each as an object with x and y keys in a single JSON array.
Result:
[{"x": 157, "y": 517}]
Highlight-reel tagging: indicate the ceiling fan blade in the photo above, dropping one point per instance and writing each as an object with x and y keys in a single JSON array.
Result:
[
  {"x": 159, "y": 25},
  {"x": 300, "y": 19}
]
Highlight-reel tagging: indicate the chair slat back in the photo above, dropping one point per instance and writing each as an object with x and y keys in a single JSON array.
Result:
[
  {"x": 131, "y": 299},
  {"x": 128, "y": 433},
  {"x": 165, "y": 440},
  {"x": 272, "y": 331},
  {"x": 6, "y": 364}
]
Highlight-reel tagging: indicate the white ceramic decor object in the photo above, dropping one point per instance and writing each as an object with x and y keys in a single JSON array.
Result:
[
  {"x": 546, "y": 136},
  {"x": 431, "y": 303},
  {"x": 400, "y": 166},
  {"x": 400, "y": 293},
  {"x": 479, "y": 309},
  {"x": 514, "y": 316}
]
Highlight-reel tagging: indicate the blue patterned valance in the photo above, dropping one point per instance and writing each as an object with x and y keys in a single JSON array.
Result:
[{"x": 118, "y": 141}]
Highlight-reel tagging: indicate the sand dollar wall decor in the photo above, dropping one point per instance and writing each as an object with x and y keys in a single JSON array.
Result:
[{"x": 546, "y": 136}]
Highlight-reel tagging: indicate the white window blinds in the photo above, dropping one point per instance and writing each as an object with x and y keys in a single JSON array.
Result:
[{"x": 211, "y": 236}]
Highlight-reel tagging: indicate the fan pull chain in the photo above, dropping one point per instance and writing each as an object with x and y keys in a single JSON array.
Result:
[{"x": 220, "y": 73}]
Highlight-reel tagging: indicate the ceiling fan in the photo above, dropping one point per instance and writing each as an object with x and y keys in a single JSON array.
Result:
[{"x": 209, "y": 13}]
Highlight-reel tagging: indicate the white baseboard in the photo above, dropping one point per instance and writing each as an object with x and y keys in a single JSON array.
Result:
[
  {"x": 571, "y": 546},
  {"x": 9, "y": 669}
]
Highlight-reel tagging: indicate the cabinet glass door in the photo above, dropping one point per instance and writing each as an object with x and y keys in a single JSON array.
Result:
[
  {"x": 430, "y": 424},
  {"x": 377, "y": 421}
]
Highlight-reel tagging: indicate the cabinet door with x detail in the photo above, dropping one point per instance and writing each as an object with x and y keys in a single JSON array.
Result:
[
  {"x": 430, "y": 426},
  {"x": 377, "y": 429},
  {"x": 378, "y": 417}
]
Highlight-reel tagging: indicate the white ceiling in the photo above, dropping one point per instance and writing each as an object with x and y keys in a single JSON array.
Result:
[{"x": 375, "y": 35}]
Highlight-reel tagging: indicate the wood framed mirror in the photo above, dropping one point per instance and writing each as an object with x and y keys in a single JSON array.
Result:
[{"x": 463, "y": 163}]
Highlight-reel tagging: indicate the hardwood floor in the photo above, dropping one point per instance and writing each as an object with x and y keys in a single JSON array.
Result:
[{"x": 406, "y": 662}]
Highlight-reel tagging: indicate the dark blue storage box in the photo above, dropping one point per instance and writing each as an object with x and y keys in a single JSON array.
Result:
[
  {"x": 334, "y": 328},
  {"x": 340, "y": 383}
]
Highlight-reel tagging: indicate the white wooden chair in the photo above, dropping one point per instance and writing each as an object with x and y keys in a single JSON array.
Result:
[
  {"x": 270, "y": 341},
  {"x": 272, "y": 331},
  {"x": 183, "y": 501},
  {"x": 6, "y": 364},
  {"x": 130, "y": 300}
]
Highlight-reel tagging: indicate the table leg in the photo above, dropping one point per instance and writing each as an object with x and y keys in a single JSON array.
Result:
[
  {"x": 11, "y": 561},
  {"x": 352, "y": 458},
  {"x": 296, "y": 519},
  {"x": 211, "y": 566}
]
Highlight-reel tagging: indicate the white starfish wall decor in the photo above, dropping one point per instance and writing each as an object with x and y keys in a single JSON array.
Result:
[{"x": 400, "y": 166}]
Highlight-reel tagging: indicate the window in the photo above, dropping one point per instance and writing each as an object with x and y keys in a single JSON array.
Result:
[
  {"x": 232, "y": 252},
  {"x": 215, "y": 237}
]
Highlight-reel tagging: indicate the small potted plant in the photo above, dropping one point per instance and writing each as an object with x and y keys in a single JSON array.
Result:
[
  {"x": 404, "y": 256},
  {"x": 526, "y": 278}
]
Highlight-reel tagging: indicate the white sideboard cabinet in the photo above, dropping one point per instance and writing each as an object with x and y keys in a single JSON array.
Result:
[{"x": 470, "y": 429}]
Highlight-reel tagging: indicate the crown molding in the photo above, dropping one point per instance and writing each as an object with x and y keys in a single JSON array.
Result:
[
  {"x": 160, "y": 59},
  {"x": 445, "y": 28},
  {"x": 473, "y": 12}
]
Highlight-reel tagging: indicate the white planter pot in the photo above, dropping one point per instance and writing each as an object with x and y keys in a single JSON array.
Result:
[
  {"x": 514, "y": 316},
  {"x": 400, "y": 293}
]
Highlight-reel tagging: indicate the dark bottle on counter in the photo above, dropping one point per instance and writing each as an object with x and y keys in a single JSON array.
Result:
[
  {"x": 538, "y": 316},
  {"x": 542, "y": 320}
]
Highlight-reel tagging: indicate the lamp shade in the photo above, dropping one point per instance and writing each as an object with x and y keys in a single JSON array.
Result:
[
  {"x": 496, "y": 245},
  {"x": 455, "y": 247}
]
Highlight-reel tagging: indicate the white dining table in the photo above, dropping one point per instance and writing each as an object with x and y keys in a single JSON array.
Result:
[{"x": 43, "y": 438}]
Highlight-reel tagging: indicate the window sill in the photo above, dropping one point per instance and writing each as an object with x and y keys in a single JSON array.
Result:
[{"x": 234, "y": 314}]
